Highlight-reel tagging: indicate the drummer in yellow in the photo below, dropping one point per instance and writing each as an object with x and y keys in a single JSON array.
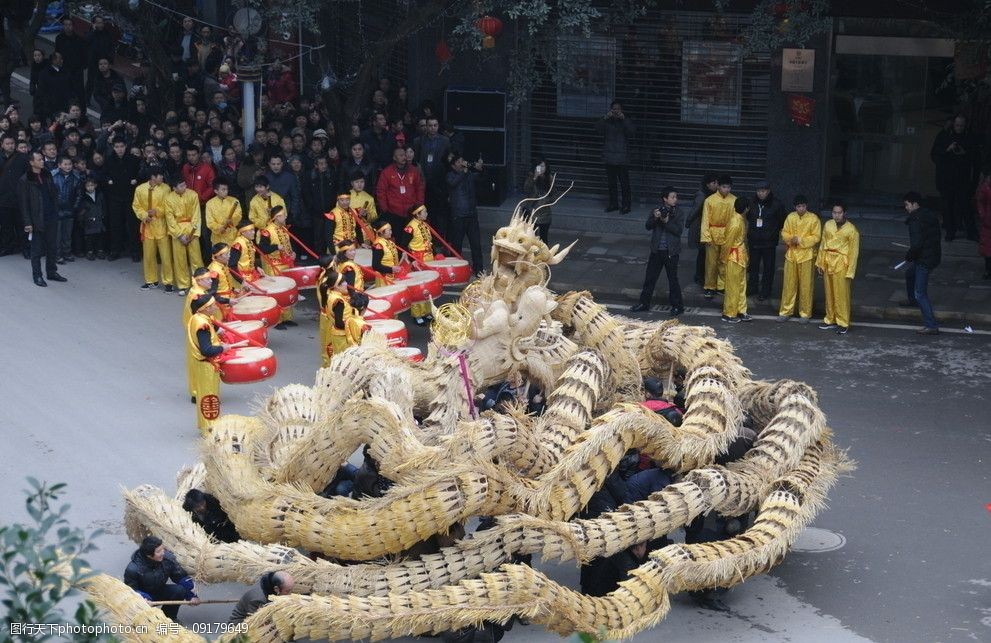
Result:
[
  {"x": 801, "y": 233},
  {"x": 244, "y": 261},
  {"x": 260, "y": 207},
  {"x": 205, "y": 346},
  {"x": 182, "y": 214},
  {"x": 733, "y": 255},
  {"x": 341, "y": 221},
  {"x": 421, "y": 246},
  {"x": 363, "y": 203},
  {"x": 223, "y": 214},
  {"x": 275, "y": 245},
  {"x": 203, "y": 284},
  {"x": 716, "y": 212},
  {"x": 340, "y": 314},
  {"x": 344, "y": 264},
  {"x": 837, "y": 263},
  {"x": 225, "y": 284},
  {"x": 149, "y": 207},
  {"x": 385, "y": 257}
]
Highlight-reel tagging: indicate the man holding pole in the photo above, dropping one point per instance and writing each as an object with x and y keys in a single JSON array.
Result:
[{"x": 149, "y": 572}]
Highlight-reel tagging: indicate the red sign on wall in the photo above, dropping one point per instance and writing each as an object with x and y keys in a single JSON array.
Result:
[{"x": 801, "y": 110}]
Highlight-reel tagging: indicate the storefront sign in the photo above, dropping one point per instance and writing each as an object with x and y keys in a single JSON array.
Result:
[
  {"x": 798, "y": 70},
  {"x": 801, "y": 110}
]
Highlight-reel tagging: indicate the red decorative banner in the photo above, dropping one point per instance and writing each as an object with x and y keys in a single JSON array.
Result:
[{"x": 801, "y": 109}]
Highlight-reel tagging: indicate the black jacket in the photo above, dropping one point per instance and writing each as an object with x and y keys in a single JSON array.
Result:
[
  {"x": 55, "y": 91},
  {"x": 367, "y": 168},
  {"x": 764, "y": 222},
  {"x": 121, "y": 170},
  {"x": 93, "y": 213},
  {"x": 956, "y": 171},
  {"x": 320, "y": 193},
  {"x": 12, "y": 168},
  {"x": 670, "y": 230},
  {"x": 924, "y": 242},
  {"x": 145, "y": 575},
  {"x": 74, "y": 50},
  {"x": 32, "y": 202},
  {"x": 216, "y": 522},
  {"x": 461, "y": 193}
]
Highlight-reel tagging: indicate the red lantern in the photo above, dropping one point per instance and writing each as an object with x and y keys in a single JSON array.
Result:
[
  {"x": 490, "y": 27},
  {"x": 443, "y": 52}
]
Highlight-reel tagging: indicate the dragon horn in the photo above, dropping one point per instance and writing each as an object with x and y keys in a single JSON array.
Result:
[{"x": 559, "y": 257}]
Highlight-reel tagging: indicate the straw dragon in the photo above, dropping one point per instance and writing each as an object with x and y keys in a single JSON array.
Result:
[{"x": 535, "y": 473}]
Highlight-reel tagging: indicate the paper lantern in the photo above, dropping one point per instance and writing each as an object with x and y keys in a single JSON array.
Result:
[
  {"x": 490, "y": 28},
  {"x": 443, "y": 52}
]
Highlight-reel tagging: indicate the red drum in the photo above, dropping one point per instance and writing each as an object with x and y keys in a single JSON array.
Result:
[
  {"x": 455, "y": 272},
  {"x": 304, "y": 276},
  {"x": 264, "y": 309},
  {"x": 363, "y": 257},
  {"x": 393, "y": 329},
  {"x": 253, "y": 329},
  {"x": 422, "y": 285},
  {"x": 247, "y": 364},
  {"x": 378, "y": 309},
  {"x": 396, "y": 295},
  {"x": 282, "y": 289},
  {"x": 410, "y": 353}
]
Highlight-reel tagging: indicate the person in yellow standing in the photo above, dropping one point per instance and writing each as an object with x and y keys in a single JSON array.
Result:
[
  {"x": 421, "y": 246},
  {"x": 385, "y": 257},
  {"x": 837, "y": 263},
  {"x": 260, "y": 206},
  {"x": 341, "y": 221},
  {"x": 338, "y": 310},
  {"x": 204, "y": 283},
  {"x": 716, "y": 211},
  {"x": 206, "y": 347},
  {"x": 149, "y": 207},
  {"x": 801, "y": 233},
  {"x": 733, "y": 255},
  {"x": 275, "y": 244},
  {"x": 363, "y": 204},
  {"x": 223, "y": 214},
  {"x": 182, "y": 215}
]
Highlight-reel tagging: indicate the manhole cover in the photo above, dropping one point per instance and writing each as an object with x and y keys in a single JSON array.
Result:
[{"x": 815, "y": 540}]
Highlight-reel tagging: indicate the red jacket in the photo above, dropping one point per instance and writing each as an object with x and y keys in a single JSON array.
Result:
[
  {"x": 399, "y": 193},
  {"x": 200, "y": 179},
  {"x": 282, "y": 89}
]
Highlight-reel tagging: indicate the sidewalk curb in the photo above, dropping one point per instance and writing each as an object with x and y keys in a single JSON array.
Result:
[{"x": 864, "y": 312}]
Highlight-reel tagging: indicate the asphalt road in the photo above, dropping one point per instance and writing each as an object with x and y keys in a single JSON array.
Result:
[{"x": 93, "y": 394}]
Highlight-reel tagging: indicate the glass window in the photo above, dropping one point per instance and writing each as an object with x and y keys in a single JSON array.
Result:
[
  {"x": 588, "y": 76},
  {"x": 711, "y": 82}
]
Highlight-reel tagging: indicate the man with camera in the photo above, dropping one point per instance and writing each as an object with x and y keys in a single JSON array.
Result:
[
  {"x": 666, "y": 225},
  {"x": 616, "y": 130}
]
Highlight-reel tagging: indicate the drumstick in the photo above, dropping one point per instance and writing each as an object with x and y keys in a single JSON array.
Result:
[
  {"x": 209, "y": 601},
  {"x": 303, "y": 245},
  {"x": 244, "y": 338},
  {"x": 247, "y": 283},
  {"x": 411, "y": 257},
  {"x": 443, "y": 242},
  {"x": 266, "y": 259}
]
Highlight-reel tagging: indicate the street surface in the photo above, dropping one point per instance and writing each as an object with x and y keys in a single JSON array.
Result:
[{"x": 94, "y": 395}]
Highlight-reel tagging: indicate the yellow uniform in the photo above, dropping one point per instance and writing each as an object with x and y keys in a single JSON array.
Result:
[
  {"x": 350, "y": 267},
  {"x": 716, "y": 211},
  {"x": 364, "y": 200},
  {"x": 733, "y": 257},
  {"x": 343, "y": 222},
  {"x": 206, "y": 379},
  {"x": 338, "y": 339},
  {"x": 390, "y": 259},
  {"x": 246, "y": 258},
  {"x": 155, "y": 244},
  {"x": 260, "y": 208},
  {"x": 421, "y": 246},
  {"x": 838, "y": 260},
  {"x": 194, "y": 291},
  {"x": 182, "y": 214},
  {"x": 798, "y": 262},
  {"x": 323, "y": 335},
  {"x": 223, "y": 215},
  {"x": 276, "y": 236},
  {"x": 226, "y": 286}
]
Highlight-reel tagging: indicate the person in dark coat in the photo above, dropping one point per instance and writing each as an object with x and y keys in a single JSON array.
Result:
[
  {"x": 710, "y": 183},
  {"x": 379, "y": 141},
  {"x": 665, "y": 224},
  {"x": 358, "y": 161},
  {"x": 55, "y": 89},
  {"x": 603, "y": 575},
  {"x": 764, "y": 222},
  {"x": 461, "y": 185},
  {"x": 100, "y": 84},
  {"x": 616, "y": 130},
  {"x": 93, "y": 215},
  {"x": 207, "y": 512},
  {"x": 122, "y": 177},
  {"x": 39, "y": 63},
  {"x": 75, "y": 55},
  {"x": 320, "y": 196},
  {"x": 100, "y": 45},
  {"x": 149, "y": 572},
  {"x": 271, "y": 583},
  {"x": 923, "y": 256},
  {"x": 38, "y": 200},
  {"x": 957, "y": 155},
  {"x": 13, "y": 164}
]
